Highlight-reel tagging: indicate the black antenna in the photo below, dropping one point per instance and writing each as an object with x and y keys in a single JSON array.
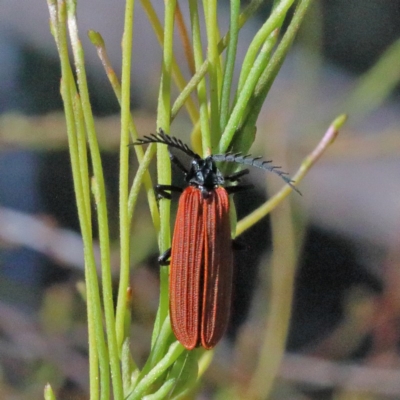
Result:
[
  {"x": 246, "y": 159},
  {"x": 239, "y": 158},
  {"x": 171, "y": 141}
]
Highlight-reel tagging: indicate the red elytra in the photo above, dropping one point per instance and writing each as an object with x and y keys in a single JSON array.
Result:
[{"x": 201, "y": 268}]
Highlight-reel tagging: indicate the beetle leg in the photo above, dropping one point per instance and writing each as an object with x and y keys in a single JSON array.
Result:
[
  {"x": 162, "y": 191},
  {"x": 164, "y": 258},
  {"x": 178, "y": 163},
  {"x": 236, "y": 189},
  {"x": 235, "y": 176}
]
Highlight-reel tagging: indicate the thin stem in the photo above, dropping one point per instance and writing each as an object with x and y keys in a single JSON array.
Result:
[
  {"x": 82, "y": 151},
  {"x": 85, "y": 185},
  {"x": 173, "y": 353},
  {"x": 163, "y": 392},
  {"x": 274, "y": 65},
  {"x": 249, "y": 11},
  {"x": 274, "y": 21},
  {"x": 201, "y": 85},
  {"x": 305, "y": 166},
  {"x": 101, "y": 202},
  {"x": 252, "y": 69},
  {"x": 183, "y": 33},
  {"x": 97, "y": 349},
  {"x": 136, "y": 185},
  {"x": 158, "y": 348},
  {"x": 163, "y": 162},
  {"x": 98, "y": 41},
  {"x": 177, "y": 75},
  {"x": 210, "y": 13},
  {"x": 190, "y": 87},
  {"x": 230, "y": 63},
  {"x": 245, "y": 93},
  {"x": 124, "y": 221},
  {"x": 202, "y": 70}
]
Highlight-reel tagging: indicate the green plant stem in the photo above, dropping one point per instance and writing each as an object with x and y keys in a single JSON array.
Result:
[
  {"x": 173, "y": 353},
  {"x": 245, "y": 93},
  {"x": 101, "y": 202},
  {"x": 126, "y": 366},
  {"x": 158, "y": 348},
  {"x": 184, "y": 36},
  {"x": 252, "y": 69},
  {"x": 98, "y": 41},
  {"x": 142, "y": 175},
  {"x": 305, "y": 166},
  {"x": 82, "y": 152},
  {"x": 163, "y": 162},
  {"x": 202, "y": 70},
  {"x": 230, "y": 63},
  {"x": 273, "y": 67},
  {"x": 210, "y": 13},
  {"x": 177, "y": 75},
  {"x": 135, "y": 188},
  {"x": 274, "y": 21},
  {"x": 201, "y": 85},
  {"x": 244, "y": 16},
  {"x": 185, "y": 373},
  {"x": 85, "y": 186},
  {"x": 124, "y": 221},
  {"x": 249, "y": 11},
  {"x": 188, "y": 89},
  {"x": 204, "y": 362},
  {"x": 163, "y": 392},
  {"x": 97, "y": 348}
]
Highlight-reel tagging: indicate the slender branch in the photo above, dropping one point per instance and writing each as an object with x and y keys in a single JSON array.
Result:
[{"x": 305, "y": 166}]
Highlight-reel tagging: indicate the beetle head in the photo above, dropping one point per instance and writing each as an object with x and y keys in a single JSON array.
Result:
[{"x": 204, "y": 174}]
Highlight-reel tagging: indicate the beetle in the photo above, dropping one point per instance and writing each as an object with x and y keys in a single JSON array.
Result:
[{"x": 201, "y": 255}]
